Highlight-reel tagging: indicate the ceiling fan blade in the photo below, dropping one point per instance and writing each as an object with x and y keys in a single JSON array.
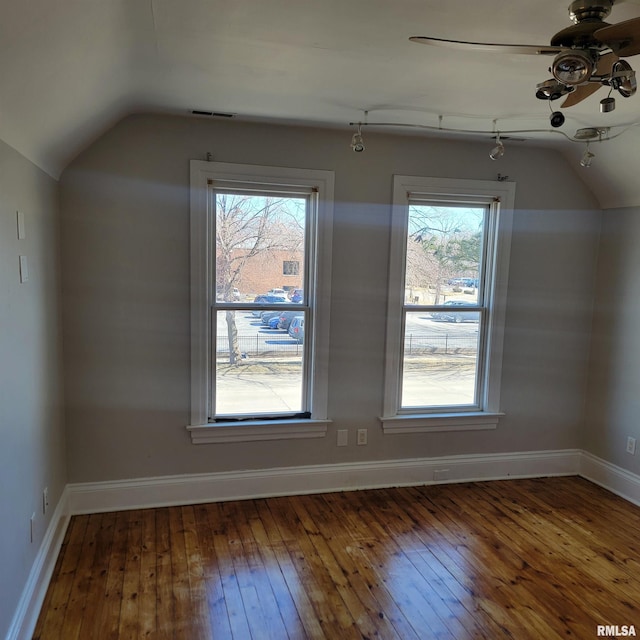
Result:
[
  {"x": 580, "y": 93},
  {"x": 526, "y": 49},
  {"x": 622, "y": 38},
  {"x": 605, "y": 64}
]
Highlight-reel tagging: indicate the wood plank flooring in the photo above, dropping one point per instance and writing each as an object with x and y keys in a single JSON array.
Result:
[{"x": 541, "y": 559}]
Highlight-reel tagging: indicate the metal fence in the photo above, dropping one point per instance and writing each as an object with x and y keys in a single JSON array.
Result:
[
  {"x": 263, "y": 345},
  {"x": 279, "y": 344}
]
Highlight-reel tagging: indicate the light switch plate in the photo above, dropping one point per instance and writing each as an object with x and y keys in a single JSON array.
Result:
[
  {"x": 22, "y": 234},
  {"x": 24, "y": 269}
]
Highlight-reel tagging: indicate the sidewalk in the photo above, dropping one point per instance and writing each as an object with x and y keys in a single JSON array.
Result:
[{"x": 276, "y": 386}]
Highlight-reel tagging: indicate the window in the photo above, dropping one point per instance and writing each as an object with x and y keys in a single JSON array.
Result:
[
  {"x": 259, "y": 356},
  {"x": 447, "y": 288},
  {"x": 291, "y": 268}
]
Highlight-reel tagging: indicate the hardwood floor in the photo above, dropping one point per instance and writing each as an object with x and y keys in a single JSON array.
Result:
[{"x": 541, "y": 559}]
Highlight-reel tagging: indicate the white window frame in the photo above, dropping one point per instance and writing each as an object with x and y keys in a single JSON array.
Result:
[
  {"x": 501, "y": 197},
  {"x": 202, "y": 290}
]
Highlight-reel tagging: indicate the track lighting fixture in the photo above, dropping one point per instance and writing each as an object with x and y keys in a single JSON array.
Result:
[
  {"x": 357, "y": 143},
  {"x": 587, "y": 157},
  {"x": 585, "y": 134},
  {"x": 498, "y": 150}
]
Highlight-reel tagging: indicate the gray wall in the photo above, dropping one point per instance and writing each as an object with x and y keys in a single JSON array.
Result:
[
  {"x": 613, "y": 400},
  {"x": 125, "y": 251},
  {"x": 31, "y": 425}
]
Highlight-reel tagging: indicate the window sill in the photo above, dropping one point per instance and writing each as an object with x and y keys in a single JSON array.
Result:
[
  {"x": 254, "y": 430},
  {"x": 434, "y": 422}
]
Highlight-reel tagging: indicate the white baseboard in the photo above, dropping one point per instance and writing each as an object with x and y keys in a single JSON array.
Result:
[
  {"x": 611, "y": 477},
  {"x": 237, "y": 485},
  {"x": 26, "y": 614}
]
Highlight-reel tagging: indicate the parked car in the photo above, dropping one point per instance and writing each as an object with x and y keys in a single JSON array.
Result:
[
  {"x": 267, "y": 299},
  {"x": 470, "y": 283},
  {"x": 453, "y": 313},
  {"x": 267, "y": 316},
  {"x": 296, "y": 328},
  {"x": 296, "y": 295},
  {"x": 285, "y": 319},
  {"x": 277, "y": 292}
]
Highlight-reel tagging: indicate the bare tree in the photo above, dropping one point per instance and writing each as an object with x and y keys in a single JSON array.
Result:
[
  {"x": 246, "y": 226},
  {"x": 441, "y": 244}
]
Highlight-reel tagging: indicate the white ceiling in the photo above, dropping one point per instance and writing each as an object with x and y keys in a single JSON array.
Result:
[{"x": 69, "y": 69}]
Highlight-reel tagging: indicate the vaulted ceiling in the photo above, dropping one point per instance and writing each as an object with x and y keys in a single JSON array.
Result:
[{"x": 70, "y": 69}]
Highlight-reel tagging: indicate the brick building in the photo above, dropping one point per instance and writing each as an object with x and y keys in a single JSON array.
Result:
[{"x": 277, "y": 268}]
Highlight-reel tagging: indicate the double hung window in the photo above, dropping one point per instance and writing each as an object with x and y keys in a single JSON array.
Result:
[
  {"x": 447, "y": 289},
  {"x": 261, "y": 242}
]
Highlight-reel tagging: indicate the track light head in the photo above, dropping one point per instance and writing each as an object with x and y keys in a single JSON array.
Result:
[
  {"x": 357, "y": 143},
  {"x": 497, "y": 151},
  {"x": 587, "y": 157}
]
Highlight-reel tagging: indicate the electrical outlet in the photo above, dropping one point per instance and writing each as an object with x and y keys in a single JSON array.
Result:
[
  {"x": 32, "y": 527},
  {"x": 45, "y": 500},
  {"x": 343, "y": 437},
  {"x": 362, "y": 436},
  {"x": 631, "y": 445}
]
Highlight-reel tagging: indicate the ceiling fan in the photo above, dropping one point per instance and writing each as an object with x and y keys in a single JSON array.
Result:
[{"x": 586, "y": 56}]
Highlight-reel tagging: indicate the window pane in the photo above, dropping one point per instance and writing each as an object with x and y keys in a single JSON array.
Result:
[
  {"x": 259, "y": 366},
  {"x": 444, "y": 252},
  {"x": 440, "y": 360},
  {"x": 260, "y": 246}
]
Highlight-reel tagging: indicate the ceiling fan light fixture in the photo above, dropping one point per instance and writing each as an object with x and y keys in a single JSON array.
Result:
[
  {"x": 573, "y": 67},
  {"x": 607, "y": 104},
  {"x": 552, "y": 90},
  {"x": 623, "y": 78}
]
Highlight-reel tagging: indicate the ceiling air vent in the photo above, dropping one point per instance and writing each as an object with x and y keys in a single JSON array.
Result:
[{"x": 213, "y": 114}]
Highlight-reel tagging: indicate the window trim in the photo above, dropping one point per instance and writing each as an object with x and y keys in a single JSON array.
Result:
[
  {"x": 201, "y": 173},
  {"x": 408, "y": 187}
]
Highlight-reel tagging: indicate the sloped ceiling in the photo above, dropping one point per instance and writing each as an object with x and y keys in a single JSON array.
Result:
[{"x": 70, "y": 69}]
